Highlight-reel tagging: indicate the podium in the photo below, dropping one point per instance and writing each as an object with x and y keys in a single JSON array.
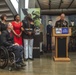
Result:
[{"x": 61, "y": 43}]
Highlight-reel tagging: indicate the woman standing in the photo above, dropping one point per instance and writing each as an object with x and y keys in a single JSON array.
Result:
[
  {"x": 28, "y": 36},
  {"x": 17, "y": 29},
  {"x": 3, "y": 22}
]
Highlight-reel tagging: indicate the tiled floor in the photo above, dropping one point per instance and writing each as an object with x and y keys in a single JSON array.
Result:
[{"x": 45, "y": 66}]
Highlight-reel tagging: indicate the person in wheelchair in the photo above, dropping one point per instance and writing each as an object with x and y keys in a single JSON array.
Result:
[{"x": 8, "y": 42}]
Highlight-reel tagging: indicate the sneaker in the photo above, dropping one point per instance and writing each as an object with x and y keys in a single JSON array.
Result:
[
  {"x": 18, "y": 65},
  {"x": 22, "y": 64}
]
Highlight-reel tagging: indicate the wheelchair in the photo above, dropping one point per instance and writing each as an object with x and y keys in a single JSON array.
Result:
[{"x": 7, "y": 58}]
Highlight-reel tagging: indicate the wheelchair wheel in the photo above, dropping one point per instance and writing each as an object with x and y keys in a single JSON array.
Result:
[
  {"x": 12, "y": 57},
  {"x": 3, "y": 57},
  {"x": 11, "y": 61}
]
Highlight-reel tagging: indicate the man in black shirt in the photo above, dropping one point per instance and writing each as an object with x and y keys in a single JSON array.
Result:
[
  {"x": 49, "y": 36},
  {"x": 62, "y": 22}
]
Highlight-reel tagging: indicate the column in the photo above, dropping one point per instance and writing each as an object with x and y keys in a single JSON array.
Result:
[
  {"x": 21, "y": 6},
  {"x": 32, "y": 3}
]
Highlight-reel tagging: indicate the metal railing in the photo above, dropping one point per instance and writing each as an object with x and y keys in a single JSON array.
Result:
[{"x": 11, "y": 7}]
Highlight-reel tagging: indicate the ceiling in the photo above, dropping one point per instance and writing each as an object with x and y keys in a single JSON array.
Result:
[{"x": 57, "y": 6}]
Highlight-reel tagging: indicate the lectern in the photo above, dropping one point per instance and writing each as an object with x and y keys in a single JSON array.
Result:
[{"x": 61, "y": 43}]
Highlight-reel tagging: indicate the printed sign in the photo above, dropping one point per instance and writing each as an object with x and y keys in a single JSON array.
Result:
[
  {"x": 65, "y": 30},
  {"x": 58, "y": 30},
  {"x": 62, "y": 30}
]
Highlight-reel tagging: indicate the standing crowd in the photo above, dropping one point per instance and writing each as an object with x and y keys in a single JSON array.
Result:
[{"x": 18, "y": 36}]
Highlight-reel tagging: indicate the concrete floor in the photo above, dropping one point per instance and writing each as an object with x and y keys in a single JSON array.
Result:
[{"x": 45, "y": 66}]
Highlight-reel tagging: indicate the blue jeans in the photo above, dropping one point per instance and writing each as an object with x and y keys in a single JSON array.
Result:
[{"x": 18, "y": 51}]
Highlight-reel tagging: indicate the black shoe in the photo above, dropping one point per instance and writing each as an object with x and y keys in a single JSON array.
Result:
[
  {"x": 41, "y": 53},
  {"x": 31, "y": 58},
  {"x": 22, "y": 64},
  {"x": 18, "y": 66},
  {"x": 25, "y": 59}
]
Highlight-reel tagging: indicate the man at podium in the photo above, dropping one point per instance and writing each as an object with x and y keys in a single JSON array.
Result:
[
  {"x": 61, "y": 33},
  {"x": 62, "y": 22}
]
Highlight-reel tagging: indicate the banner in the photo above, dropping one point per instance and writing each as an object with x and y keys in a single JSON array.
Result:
[{"x": 35, "y": 13}]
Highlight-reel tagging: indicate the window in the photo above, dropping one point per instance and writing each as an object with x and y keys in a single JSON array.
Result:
[{"x": 15, "y": 4}]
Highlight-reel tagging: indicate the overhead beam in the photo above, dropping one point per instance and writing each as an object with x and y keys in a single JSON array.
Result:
[
  {"x": 70, "y": 4},
  {"x": 60, "y": 3},
  {"x": 39, "y": 4},
  {"x": 58, "y": 11}
]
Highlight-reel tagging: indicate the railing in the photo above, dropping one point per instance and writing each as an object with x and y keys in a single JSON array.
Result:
[{"x": 11, "y": 7}]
